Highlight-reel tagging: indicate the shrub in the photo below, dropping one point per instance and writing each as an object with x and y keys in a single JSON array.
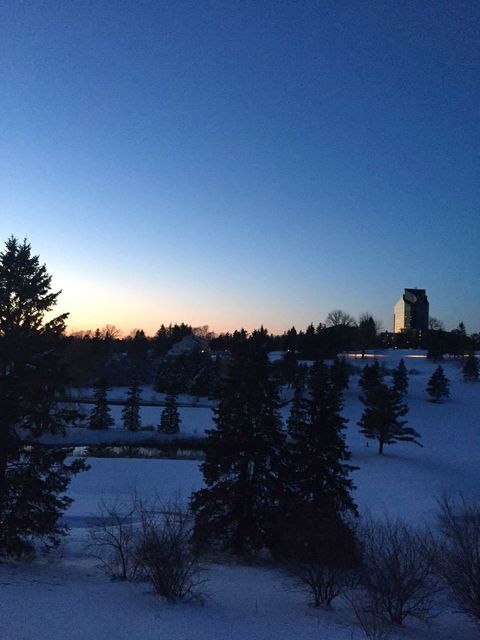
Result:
[
  {"x": 459, "y": 561},
  {"x": 369, "y": 618},
  {"x": 143, "y": 539},
  {"x": 323, "y": 583},
  {"x": 398, "y": 570},
  {"x": 166, "y": 554},
  {"x": 114, "y": 539}
]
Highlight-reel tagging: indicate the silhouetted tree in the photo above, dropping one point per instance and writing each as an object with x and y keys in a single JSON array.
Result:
[
  {"x": 470, "y": 369},
  {"x": 100, "y": 416},
  {"x": 316, "y": 500},
  {"x": 371, "y": 376},
  {"x": 438, "y": 385},
  {"x": 381, "y": 418},
  {"x": 367, "y": 332},
  {"x": 243, "y": 454},
  {"x": 33, "y": 478},
  {"x": 400, "y": 378},
  {"x": 338, "y": 317},
  {"x": 170, "y": 418},
  {"x": 131, "y": 410},
  {"x": 340, "y": 374}
]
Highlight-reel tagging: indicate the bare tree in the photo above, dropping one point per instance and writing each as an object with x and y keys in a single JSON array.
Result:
[
  {"x": 459, "y": 560},
  {"x": 338, "y": 317},
  {"x": 435, "y": 325},
  {"x": 114, "y": 539},
  {"x": 399, "y": 563}
]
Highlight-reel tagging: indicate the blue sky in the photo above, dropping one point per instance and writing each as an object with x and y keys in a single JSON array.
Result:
[{"x": 238, "y": 163}]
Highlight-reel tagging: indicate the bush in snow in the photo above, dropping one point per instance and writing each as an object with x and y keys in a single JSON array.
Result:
[
  {"x": 114, "y": 539},
  {"x": 324, "y": 583},
  {"x": 165, "y": 551},
  {"x": 369, "y": 617},
  {"x": 398, "y": 570},
  {"x": 146, "y": 540},
  {"x": 459, "y": 560}
]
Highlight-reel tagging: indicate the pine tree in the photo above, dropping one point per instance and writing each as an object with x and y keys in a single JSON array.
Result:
[
  {"x": 400, "y": 378},
  {"x": 242, "y": 456},
  {"x": 131, "y": 410},
  {"x": 371, "y": 376},
  {"x": 170, "y": 418},
  {"x": 100, "y": 416},
  {"x": 470, "y": 369},
  {"x": 316, "y": 496},
  {"x": 340, "y": 374},
  {"x": 33, "y": 479},
  {"x": 438, "y": 385},
  {"x": 381, "y": 418}
]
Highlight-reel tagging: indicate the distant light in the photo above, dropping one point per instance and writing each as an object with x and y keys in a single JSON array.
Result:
[
  {"x": 417, "y": 356},
  {"x": 365, "y": 355}
]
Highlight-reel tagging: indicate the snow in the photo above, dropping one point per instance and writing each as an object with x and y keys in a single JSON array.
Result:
[{"x": 65, "y": 595}]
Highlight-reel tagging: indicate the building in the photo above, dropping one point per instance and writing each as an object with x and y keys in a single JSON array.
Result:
[
  {"x": 411, "y": 311},
  {"x": 188, "y": 345}
]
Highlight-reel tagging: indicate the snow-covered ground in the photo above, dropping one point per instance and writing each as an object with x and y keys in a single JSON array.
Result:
[{"x": 66, "y": 595}]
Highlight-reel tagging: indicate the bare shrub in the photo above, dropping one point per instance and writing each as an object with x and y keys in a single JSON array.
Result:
[
  {"x": 114, "y": 539},
  {"x": 322, "y": 582},
  {"x": 370, "y": 620},
  {"x": 459, "y": 561},
  {"x": 165, "y": 552},
  {"x": 398, "y": 570}
]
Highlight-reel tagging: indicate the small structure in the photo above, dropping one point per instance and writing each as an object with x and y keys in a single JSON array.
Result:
[{"x": 188, "y": 345}]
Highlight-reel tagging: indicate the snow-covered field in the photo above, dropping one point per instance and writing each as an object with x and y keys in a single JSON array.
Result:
[{"x": 66, "y": 596}]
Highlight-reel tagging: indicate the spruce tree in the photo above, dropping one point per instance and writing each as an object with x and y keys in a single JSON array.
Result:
[
  {"x": 100, "y": 416},
  {"x": 340, "y": 374},
  {"x": 170, "y": 418},
  {"x": 382, "y": 417},
  {"x": 470, "y": 369},
  {"x": 316, "y": 498},
  {"x": 243, "y": 455},
  {"x": 33, "y": 478},
  {"x": 131, "y": 410},
  {"x": 400, "y": 378},
  {"x": 370, "y": 377},
  {"x": 438, "y": 385}
]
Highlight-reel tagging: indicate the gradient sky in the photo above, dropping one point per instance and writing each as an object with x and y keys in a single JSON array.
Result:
[{"x": 238, "y": 163}]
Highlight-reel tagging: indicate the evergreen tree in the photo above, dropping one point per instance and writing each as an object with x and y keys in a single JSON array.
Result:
[
  {"x": 100, "y": 416},
  {"x": 131, "y": 410},
  {"x": 340, "y": 374},
  {"x": 316, "y": 495},
  {"x": 170, "y": 418},
  {"x": 33, "y": 479},
  {"x": 400, "y": 379},
  {"x": 371, "y": 376},
  {"x": 381, "y": 418},
  {"x": 438, "y": 385},
  {"x": 243, "y": 455},
  {"x": 470, "y": 369}
]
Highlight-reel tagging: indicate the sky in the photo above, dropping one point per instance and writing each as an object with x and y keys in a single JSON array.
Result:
[{"x": 243, "y": 163}]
